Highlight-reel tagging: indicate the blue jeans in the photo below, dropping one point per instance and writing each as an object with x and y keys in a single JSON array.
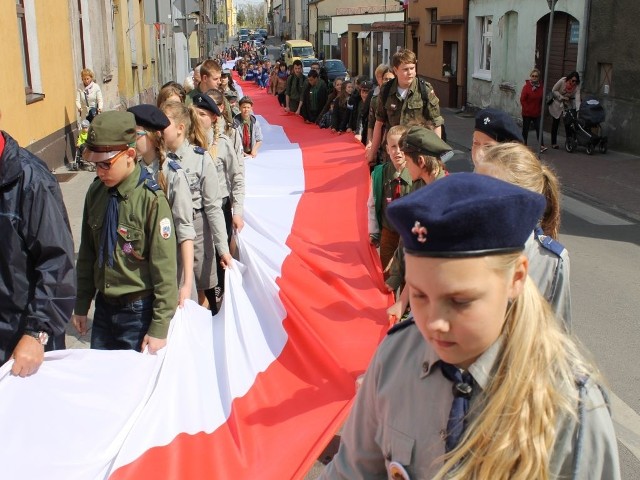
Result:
[{"x": 120, "y": 327}]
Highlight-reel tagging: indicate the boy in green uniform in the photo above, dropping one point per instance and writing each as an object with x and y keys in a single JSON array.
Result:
[{"x": 127, "y": 249}]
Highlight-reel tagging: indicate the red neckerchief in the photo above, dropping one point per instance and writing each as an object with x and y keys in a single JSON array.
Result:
[{"x": 2, "y": 143}]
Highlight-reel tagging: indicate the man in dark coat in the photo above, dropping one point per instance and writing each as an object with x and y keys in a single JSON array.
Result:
[{"x": 37, "y": 279}]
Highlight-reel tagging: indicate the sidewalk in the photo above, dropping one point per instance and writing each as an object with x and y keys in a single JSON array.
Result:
[
  {"x": 73, "y": 193},
  {"x": 611, "y": 181}
]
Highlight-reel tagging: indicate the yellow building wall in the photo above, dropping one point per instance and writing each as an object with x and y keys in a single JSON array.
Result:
[{"x": 29, "y": 123}]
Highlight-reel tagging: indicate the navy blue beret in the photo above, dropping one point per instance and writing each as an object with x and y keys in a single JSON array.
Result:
[
  {"x": 466, "y": 215},
  {"x": 205, "y": 102},
  {"x": 149, "y": 116},
  {"x": 498, "y": 125}
]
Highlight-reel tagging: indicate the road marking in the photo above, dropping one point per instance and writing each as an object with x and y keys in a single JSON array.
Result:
[
  {"x": 627, "y": 424},
  {"x": 590, "y": 214}
]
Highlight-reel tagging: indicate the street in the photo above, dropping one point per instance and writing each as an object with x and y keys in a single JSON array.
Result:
[{"x": 601, "y": 230}]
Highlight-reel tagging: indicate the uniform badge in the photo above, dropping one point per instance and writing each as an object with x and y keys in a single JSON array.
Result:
[
  {"x": 123, "y": 231},
  {"x": 128, "y": 250},
  {"x": 420, "y": 231},
  {"x": 486, "y": 120},
  {"x": 397, "y": 472},
  {"x": 165, "y": 228}
]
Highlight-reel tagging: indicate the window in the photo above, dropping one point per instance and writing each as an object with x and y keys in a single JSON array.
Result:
[
  {"x": 28, "y": 40},
  {"x": 483, "y": 46},
  {"x": 432, "y": 15}
]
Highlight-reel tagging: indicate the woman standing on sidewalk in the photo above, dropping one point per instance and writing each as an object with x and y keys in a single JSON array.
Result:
[
  {"x": 566, "y": 94},
  {"x": 531, "y": 101}
]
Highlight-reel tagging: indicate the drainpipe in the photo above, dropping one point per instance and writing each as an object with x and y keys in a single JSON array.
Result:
[
  {"x": 552, "y": 4},
  {"x": 465, "y": 83},
  {"x": 581, "y": 64}
]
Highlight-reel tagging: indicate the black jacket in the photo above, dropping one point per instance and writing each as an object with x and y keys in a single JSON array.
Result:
[{"x": 37, "y": 278}]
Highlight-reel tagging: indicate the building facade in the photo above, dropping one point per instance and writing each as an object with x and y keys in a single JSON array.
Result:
[{"x": 508, "y": 38}]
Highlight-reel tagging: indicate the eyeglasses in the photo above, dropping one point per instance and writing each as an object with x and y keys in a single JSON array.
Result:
[
  {"x": 141, "y": 133},
  {"x": 107, "y": 165}
]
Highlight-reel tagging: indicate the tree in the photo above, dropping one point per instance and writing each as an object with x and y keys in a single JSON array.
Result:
[{"x": 241, "y": 19}]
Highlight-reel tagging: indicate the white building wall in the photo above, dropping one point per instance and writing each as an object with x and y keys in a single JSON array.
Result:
[
  {"x": 340, "y": 24},
  {"x": 509, "y": 69}
]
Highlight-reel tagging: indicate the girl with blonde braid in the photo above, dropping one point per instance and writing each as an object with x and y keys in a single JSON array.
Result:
[
  {"x": 483, "y": 383},
  {"x": 150, "y": 122},
  {"x": 184, "y": 140}
]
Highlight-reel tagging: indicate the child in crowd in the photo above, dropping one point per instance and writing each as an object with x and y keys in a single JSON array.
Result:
[
  {"x": 127, "y": 255},
  {"x": 483, "y": 383},
  {"x": 82, "y": 136},
  {"x": 341, "y": 110},
  {"x": 281, "y": 84},
  {"x": 249, "y": 128},
  {"x": 150, "y": 122},
  {"x": 185, "y": 141},
  {"x": 389, "y": 181}
]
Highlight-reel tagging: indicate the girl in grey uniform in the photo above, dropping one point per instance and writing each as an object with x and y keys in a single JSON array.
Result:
[
  {"x": 183, "y": 140},
  {"x": 150, "y": 121},
  {"x": 484, "y": 384},
  {"x": 229, "y": 165},
  {"x": 548, "y": 259}
]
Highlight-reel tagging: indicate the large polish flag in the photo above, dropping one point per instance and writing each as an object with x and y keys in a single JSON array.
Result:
[{"x": 258, "y": 391}]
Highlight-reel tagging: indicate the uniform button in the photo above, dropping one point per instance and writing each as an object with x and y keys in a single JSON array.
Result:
[
  {"x": 128, "y": 237},
  {"x": 388, "y": 457},
  {"x": 126, "y": 197},
  {"x": 132, "y": 217},
  {"x": 443, "y": 434},
  {"x": 108, "y": 285},
  {"x": 425, "y": 367}
]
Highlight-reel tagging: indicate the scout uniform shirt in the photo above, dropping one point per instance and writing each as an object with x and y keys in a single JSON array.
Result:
[
  {"x": 205, "y": 190},
  {"x": 399, "y": 111},
  {"x": 402, "y": 408},
  {"x": 178, "y": 195},
  {"x": 549, "y": 269},
  {"x": 145, "y": 252},
  {"x": 230, "y": 170}
]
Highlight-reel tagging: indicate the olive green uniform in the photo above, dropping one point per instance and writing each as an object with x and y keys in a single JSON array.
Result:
[
  {"x": 145, "y": 253},
  {"x": 411, "y": 109}
]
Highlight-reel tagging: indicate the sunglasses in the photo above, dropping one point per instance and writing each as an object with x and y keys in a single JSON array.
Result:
[
  {"x": 107, "y": 165},
  {"x": 141, "y": 133}
]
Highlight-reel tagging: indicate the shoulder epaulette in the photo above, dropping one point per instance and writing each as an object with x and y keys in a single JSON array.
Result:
[
  {"x": 199, "y": 150},
  {"x": 173, "y": 165},
  {"x": 400, "y": 326},
  {"x": 151, "y": 184},
  {"x": 549, "y": 243}
]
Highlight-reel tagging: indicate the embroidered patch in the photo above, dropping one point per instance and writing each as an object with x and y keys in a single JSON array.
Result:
[
  {"x": 127, "y": 248},
  {"x": 123, "y": 231},
  {"x": 165, "y": 228},
  {"x": 420, "y": 231}
]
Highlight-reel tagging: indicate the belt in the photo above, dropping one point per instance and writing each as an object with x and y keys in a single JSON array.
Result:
[{"x": 123, "y": 300}]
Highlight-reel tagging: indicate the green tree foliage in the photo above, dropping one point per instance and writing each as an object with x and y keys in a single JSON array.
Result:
[{"x": 252, "y": 16}]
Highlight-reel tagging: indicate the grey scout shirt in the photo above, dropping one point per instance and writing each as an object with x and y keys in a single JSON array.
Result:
[
  {"x": 549, "y": 270},
  {"x": 179, "y": 196},
  {"x": 401, "y": 412},
  {"x": 205, "y": 190},
  {"x": 230, "y": 168}
]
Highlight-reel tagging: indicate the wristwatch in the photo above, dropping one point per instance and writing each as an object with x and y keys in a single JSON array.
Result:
[{"x": 41, "y": 336}]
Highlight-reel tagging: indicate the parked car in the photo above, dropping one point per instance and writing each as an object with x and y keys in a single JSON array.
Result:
[
  {"x": 306, "y": 64},
  {"x": 335, "y": 69},
  {"x": 243, "y": 38},
  {"x": 263, "y": 32}
]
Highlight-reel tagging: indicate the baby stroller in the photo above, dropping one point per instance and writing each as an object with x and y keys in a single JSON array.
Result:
[
  {"x": 80, "y": 163},
  {"x": 583, "y": 127}
]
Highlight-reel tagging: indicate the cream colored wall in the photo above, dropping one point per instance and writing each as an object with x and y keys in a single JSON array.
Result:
[{"x": 29, "y": 123}]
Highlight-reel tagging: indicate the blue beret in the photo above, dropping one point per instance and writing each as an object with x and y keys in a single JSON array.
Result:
[
  {"x": 205, "y": 102},
  {"x": 498, "y": 125},
  {"x": 149, "y": 116},
  {"x": 466, "y": 215}
]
